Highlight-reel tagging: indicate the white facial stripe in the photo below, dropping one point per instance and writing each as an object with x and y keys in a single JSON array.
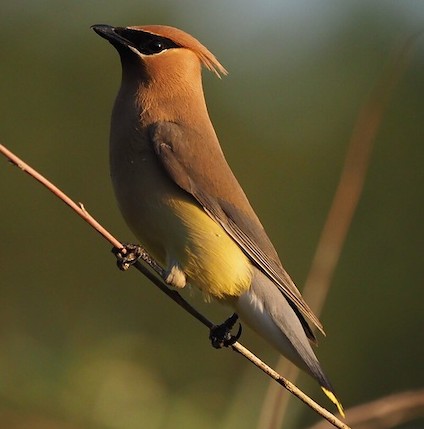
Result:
[{"x": 136, "y": 51}]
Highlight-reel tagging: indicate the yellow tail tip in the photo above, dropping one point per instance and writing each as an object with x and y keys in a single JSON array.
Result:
[{"x": 334, "y": 400}]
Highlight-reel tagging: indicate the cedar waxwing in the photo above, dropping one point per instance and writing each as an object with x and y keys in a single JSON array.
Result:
[{"x": 181, "y": 199}]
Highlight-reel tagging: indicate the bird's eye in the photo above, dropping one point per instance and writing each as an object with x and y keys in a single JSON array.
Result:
[{"x": 153, "y": 47}]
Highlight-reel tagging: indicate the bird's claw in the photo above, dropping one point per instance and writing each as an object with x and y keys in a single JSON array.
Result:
[
  {"x": 220, "y": 335},
  {"x": 127, "y": 255}
]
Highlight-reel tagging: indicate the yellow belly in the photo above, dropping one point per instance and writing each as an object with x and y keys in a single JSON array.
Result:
[
  {"x": 178, "y": 231},
  {"x": 210, "y": 259}
]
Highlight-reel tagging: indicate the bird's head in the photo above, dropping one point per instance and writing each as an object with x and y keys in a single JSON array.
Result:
[{"x": 159, "y": 50}]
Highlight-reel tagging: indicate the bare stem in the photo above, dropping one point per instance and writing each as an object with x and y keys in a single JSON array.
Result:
[
  {"x": 340, "y": 215},
  {"x": 390, "y": 411}
]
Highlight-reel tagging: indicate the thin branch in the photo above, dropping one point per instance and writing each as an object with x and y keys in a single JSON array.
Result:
[
  {"x": 174, "y": 295},
  {"x": 340, "y": 215},
  {"x": 388, "y": 412}
]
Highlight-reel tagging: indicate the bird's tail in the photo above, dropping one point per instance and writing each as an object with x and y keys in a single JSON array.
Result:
[
  {"x": 333, "y": 398},
  {"x": 265, "y": 309}
]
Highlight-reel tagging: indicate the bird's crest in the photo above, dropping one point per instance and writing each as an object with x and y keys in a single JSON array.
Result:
[{"x": 185, "y": 40}]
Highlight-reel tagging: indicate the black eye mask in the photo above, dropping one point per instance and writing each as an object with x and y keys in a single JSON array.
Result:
[{"x": 146, "y": 43}]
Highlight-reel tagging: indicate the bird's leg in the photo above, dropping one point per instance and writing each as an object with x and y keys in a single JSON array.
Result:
[
  {"x": 220, "y": 335},
  {"x": 131, "y": 255}
]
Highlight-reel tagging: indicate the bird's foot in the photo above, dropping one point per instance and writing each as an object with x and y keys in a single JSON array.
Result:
[
  {"x": 220, "y": 335},
  {"x": 128, "y": 255}
]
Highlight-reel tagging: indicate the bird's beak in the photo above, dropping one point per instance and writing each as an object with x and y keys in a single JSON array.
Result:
[{"x": 114, "y": 35}]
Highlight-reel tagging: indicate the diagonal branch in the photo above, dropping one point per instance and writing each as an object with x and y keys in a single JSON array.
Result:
[{"x": 174, "y": 295}]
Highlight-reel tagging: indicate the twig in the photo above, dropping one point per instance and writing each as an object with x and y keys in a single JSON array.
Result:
[
  {"x": 340, "y": 215},
  {"x": 174, "y": 295}
]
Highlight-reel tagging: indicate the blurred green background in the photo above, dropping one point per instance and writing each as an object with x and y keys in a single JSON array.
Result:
[{"x": 83, "y": 345}]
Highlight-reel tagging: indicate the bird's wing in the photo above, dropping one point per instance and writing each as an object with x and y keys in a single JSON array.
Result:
[{"x": 202, "y": 171}]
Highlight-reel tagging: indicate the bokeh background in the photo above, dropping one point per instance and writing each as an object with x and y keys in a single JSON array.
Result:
[{"x": 83, "y": 345}]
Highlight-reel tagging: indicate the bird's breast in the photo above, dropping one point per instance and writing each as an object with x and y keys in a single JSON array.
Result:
[{"x": 173, "y": 227}]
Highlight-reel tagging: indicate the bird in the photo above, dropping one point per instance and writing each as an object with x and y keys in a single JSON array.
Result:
[{"x": 180, "y": 198}]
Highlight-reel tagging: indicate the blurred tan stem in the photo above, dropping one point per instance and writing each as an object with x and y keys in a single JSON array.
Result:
[
  {"x": 388, "y": 412},
  {"x": 340, "y": 216}
]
